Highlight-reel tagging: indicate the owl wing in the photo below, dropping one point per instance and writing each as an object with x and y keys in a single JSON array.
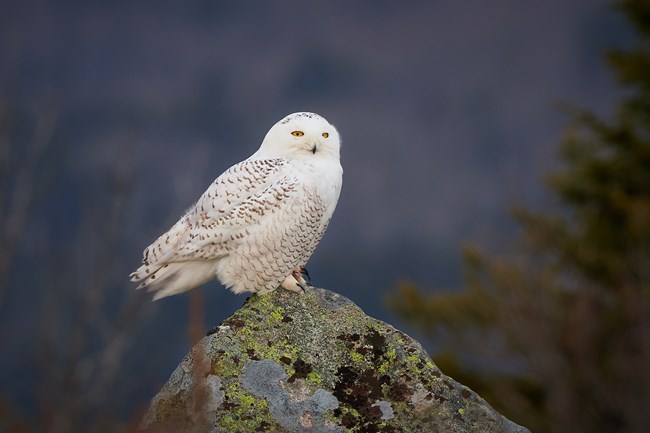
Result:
[
  {"x": 216, "y": 230},
  {"x": 236, "y": 199}
]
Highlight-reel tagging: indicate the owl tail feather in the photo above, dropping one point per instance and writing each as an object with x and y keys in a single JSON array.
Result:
[{"x": 173, "y": 278}]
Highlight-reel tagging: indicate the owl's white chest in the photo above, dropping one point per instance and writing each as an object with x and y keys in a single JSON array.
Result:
[{"x": 321, "y": 177}]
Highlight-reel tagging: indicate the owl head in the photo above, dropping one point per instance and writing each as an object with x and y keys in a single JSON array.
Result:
[{"x": 302, "y": 136}]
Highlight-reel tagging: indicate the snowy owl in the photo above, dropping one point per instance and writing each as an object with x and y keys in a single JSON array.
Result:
[{"x": 259, "y": 222}]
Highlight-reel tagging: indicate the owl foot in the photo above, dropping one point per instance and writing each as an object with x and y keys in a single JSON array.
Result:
[
  {"x": 295, "y": 282},
  {"x": 303, "y": 276},
  {"x": 292, "y": 284}
]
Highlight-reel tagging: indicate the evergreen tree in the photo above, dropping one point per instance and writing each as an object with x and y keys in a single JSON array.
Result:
[{"x": 557, "y": 337}]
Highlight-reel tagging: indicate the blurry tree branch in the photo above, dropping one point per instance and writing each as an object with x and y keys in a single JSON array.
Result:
[
  {"x": 89, "y": 311},
  {"x": 17, "y": 181},
  {"x": 86, "y": 335}
]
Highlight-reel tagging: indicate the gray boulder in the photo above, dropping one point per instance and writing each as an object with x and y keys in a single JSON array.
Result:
[{"x": 314, "y": 363}]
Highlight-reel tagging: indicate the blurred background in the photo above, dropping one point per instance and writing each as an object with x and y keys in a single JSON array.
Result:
[{"x": 115, "y": 117}]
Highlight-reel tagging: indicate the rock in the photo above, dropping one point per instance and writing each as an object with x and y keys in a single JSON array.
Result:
[{"x": 314, "y": 363}]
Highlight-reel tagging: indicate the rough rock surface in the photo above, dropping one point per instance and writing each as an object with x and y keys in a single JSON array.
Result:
[{"x": 314, "y": 363}]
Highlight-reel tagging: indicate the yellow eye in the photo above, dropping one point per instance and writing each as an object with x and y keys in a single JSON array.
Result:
[
  {"x": 297, "y": 133},
  {"x": 325, "y": 135}
]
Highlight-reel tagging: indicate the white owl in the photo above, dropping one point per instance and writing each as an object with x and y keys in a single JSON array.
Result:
[{"x": 260, "y": 221}]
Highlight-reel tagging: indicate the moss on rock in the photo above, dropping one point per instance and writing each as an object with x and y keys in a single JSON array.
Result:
[{"x": 314, "y": 363}]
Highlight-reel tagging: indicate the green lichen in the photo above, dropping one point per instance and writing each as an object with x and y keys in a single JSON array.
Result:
[
  {"x": 262, "y": 302},
  {"x": 413, "y": 358},
  {"x": 279, "y": 351},
  {"x": 224, "y": 366},
  {"x": 388, "y": 362},
  {"x": 356, "y": 357},
  {"x": 277, "y": 314},
  {"x": 315, "y": 378},
  {"x": 245, "y": 333},
  {"x": 241, "y": 412}
]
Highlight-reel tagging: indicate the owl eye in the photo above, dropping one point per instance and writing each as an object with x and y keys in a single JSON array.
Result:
[
  {"x": 297, "y": 133},
  {"x": 325, "y": 135}
]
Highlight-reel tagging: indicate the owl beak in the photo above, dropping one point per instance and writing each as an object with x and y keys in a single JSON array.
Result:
[{"x": 314, "y": 148}]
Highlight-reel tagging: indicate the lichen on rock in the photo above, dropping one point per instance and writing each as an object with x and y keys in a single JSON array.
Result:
[{"x": 314, "y": 363}]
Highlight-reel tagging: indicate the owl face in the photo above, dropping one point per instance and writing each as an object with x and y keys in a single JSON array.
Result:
[{"x": 301, "y": 136}]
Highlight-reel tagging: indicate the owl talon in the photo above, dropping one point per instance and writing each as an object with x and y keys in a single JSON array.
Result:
[
  {"x": 305, "y": 276},
  {"x": 298, "y": 275},
  {"x": 295, "y": 282}
]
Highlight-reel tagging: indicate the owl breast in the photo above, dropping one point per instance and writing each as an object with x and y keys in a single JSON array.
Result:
[{"x": 288, "y": 234}]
